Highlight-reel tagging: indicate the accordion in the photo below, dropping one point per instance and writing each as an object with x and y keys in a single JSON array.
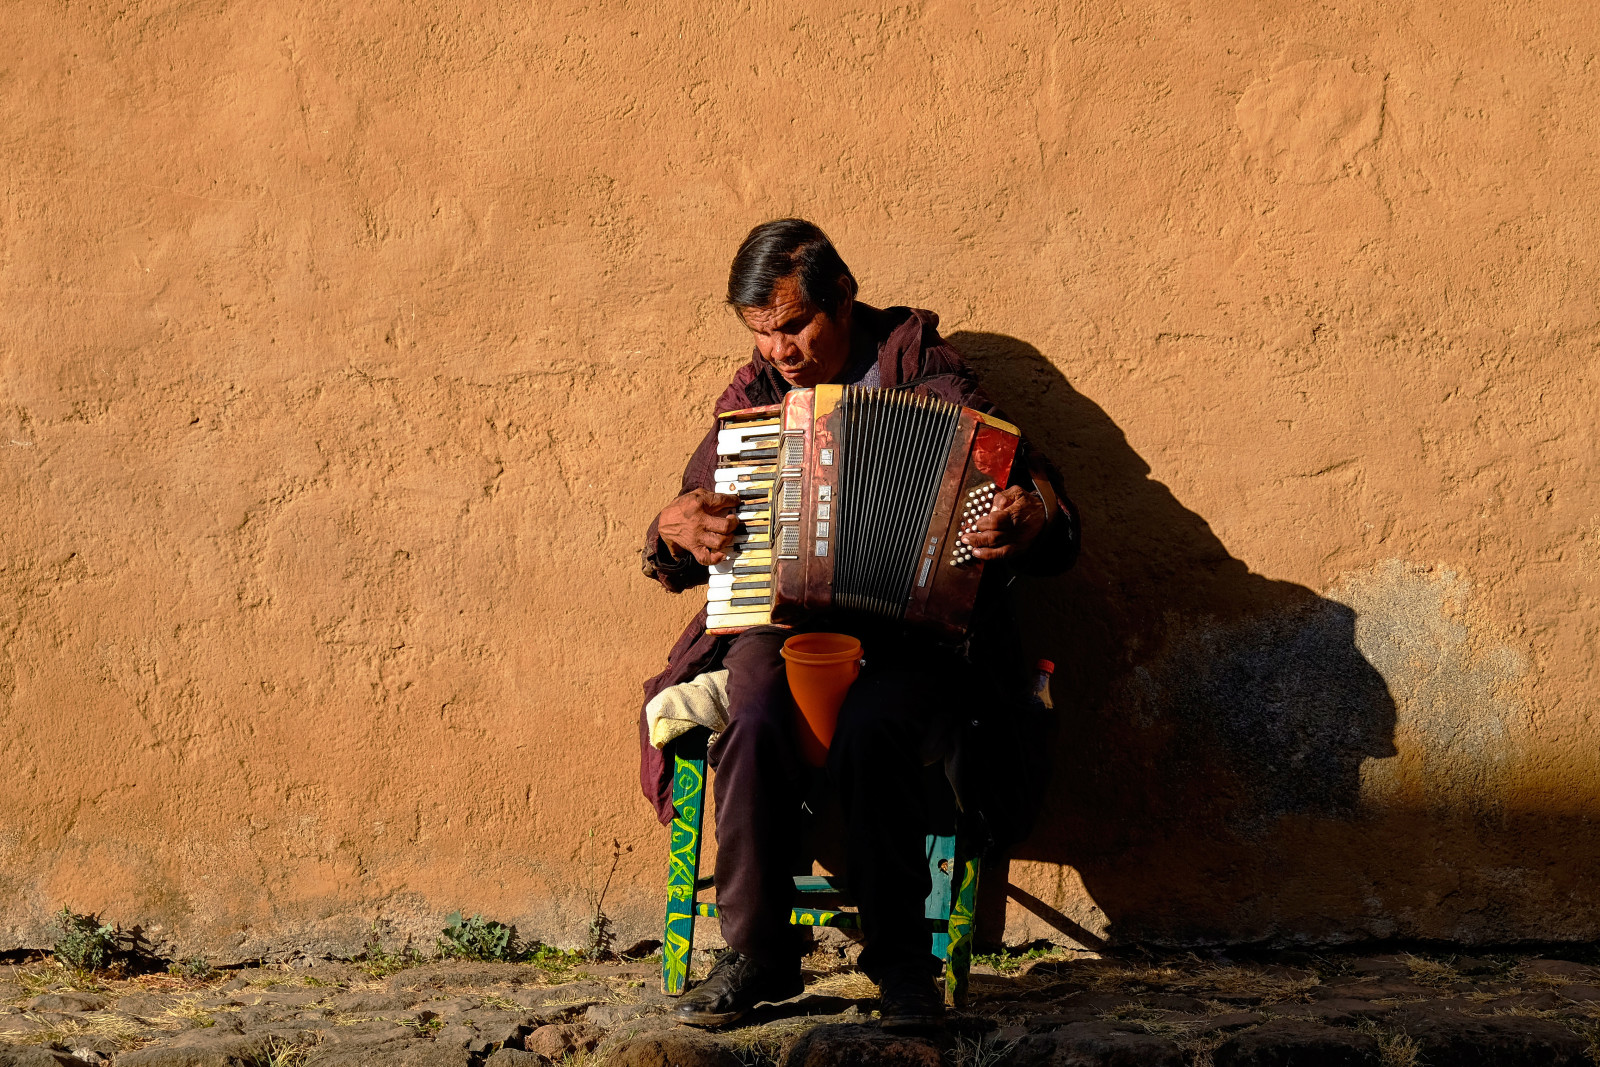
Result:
[{"x": 854, "y": 500}]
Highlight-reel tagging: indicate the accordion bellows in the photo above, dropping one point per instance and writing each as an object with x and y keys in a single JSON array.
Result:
[{"x": 854, "y": 500}]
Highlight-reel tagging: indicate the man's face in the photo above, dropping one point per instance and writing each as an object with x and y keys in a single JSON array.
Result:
[{"x": 806, "y": 346}]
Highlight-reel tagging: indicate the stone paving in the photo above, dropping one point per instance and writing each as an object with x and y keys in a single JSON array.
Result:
[{"x": 1395, "y": 1010}]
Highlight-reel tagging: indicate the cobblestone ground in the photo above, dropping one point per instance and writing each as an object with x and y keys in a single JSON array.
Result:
[{"x": 1399, "y": 1010}]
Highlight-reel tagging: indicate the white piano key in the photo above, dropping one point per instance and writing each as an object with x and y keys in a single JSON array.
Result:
[
  {"x": 728, "y": 474},
  {"x": 721, "y": 605},
  {"x": 758, "y": 558},
  {"x": 758, "y": 617},
  {"x": 722, "y": 582},
  {"x": 733, "y": 442}
]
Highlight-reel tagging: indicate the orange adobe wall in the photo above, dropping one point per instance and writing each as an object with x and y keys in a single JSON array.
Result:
[{"x": 347, "y": 349}]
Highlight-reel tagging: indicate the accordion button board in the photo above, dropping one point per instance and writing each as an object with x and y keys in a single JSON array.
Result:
[{"x": 855, "y": 500}]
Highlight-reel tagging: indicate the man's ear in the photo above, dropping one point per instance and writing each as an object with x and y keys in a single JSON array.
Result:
[{"x": 847, "y": 294}]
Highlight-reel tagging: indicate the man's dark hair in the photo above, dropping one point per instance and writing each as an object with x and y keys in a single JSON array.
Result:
[{"x": 778, "y": 249}]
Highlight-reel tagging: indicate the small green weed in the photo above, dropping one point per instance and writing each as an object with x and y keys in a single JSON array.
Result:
[
  {"x": 1011, "y": 962},
  {"x": 379, "y": 962},
  {"x": 195, "y": 967},
  {"x": 85, "y": 944},
  {"x": 477, "y": 938},
  {"x": 555, "y": 960}
]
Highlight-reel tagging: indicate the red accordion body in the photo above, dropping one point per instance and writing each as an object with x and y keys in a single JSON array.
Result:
[{"x": 854, "y": 499}]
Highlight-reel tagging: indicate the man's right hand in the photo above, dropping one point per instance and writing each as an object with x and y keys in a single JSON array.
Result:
[{"x": 700, "y": 523}]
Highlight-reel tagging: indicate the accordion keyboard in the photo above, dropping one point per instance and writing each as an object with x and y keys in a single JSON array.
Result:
[{"x": 740, "y": 589}]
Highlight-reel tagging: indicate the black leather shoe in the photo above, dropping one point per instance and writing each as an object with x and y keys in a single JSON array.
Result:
[
  {"x": 910, "y": 1001},
  {"x": 735, "y": 985}
]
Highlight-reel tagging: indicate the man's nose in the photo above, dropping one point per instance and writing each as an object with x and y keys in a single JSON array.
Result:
[{"x": 783, "y": 348}]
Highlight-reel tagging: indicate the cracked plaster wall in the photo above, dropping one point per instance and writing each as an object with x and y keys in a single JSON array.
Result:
[{"x": 346, "y": 350}]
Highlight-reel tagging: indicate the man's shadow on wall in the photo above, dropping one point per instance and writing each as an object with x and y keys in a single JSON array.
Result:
[{"x": 1212, "y": 719}]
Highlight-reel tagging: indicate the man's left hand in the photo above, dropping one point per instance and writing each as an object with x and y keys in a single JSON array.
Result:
[{"x": 1015, "y": 518}]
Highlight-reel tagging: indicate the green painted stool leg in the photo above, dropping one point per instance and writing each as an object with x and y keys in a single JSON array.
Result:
[
  {"x": 963, "y": 914},
  {"x": 941, "y": 852},
  {"x": 688, "y": 796}
]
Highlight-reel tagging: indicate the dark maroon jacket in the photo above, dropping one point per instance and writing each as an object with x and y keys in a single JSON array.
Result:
[{"x": 910, "y": 350}]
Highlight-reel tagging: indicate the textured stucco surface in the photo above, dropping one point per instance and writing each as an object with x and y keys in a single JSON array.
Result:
[{"x": 347, "y": 348}]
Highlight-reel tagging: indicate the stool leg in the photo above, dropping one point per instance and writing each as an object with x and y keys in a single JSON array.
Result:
[
  {"x": 963, "y": 917},
  {"x": 941, "y": 852},
  {"x": 677, "y": 943}
]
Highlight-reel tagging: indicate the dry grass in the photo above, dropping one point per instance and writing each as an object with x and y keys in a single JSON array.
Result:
[
  {"x": 1590, "y": 1032},
  {"x": 766, "y": 1044},
  {"x": 499, "y": 1003},
  {"x": 1524, "y": 1012},
  {"x": 851, "y": 985},
  {"x": 1430, "y": 972},
  {"x": 1205, "y": 981},
  {"x": 1131, "y": 978},
  {"x": 48, "y": 976},
  {"x": 1245, "y": 981},
  {"x": 1398, "y": 1050},
  {"x": 188, "y": 1009},
  {"x": 272, "y": 981},
  {"x": 980, "y": 1051},
  {"x": 1395, "y": 1048},
  {"x": 1131, "y": 1011},
  {"x": 825, "y": 960},
  {"x": 126, "y": 1033},
  {"x": 282, "y": 1053},
  {"x": 1547, "y": 981},
  {"x": 1200, "y": 1047},
  {"x": 567, "y": 1002}
]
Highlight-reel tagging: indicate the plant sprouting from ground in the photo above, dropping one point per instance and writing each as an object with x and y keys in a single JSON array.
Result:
[
  {"x": 597, "y": 944},
  {"x": 85, "y": 944},
  {"x": 1010, "y": 961},
  {"x": 379, "y": 962},
  {"x": 195, "y": 967},
  {"x": 557, "y": 960},
  {"x": 477, "y": 938}
]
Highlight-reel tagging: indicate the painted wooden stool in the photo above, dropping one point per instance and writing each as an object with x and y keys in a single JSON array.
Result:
[{"x": 950, "y": 908}]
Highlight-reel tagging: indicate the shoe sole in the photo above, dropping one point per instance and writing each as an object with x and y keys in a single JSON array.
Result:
[
  {"x": 713, "y": 1019},
  {"x": 707, "y": 1018}
]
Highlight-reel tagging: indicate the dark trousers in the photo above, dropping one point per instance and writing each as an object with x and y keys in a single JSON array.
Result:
[{"x": 892, "y": 725}]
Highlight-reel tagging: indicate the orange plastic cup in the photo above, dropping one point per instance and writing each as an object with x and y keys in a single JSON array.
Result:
[{"x": 821, "y": 669}]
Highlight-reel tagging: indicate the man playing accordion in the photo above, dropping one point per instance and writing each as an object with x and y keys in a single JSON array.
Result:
[{"x": 916, "y": 702}]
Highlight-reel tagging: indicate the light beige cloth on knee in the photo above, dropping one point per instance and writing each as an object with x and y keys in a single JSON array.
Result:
[{"x": 680, "y": 708}]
